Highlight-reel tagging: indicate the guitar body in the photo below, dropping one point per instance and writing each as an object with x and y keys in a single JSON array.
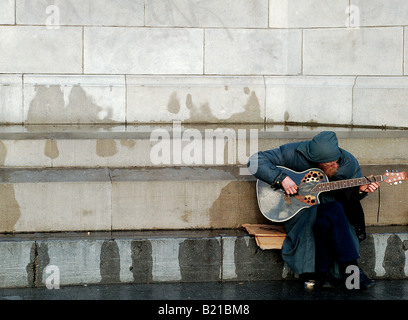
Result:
[{"x": 277, "y": 206}]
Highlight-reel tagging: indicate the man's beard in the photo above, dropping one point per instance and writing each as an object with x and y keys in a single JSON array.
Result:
[{"x": 331, "y": 171}]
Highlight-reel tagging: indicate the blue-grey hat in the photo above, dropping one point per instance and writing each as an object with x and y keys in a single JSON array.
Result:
[{"x": 322, "y": 148}]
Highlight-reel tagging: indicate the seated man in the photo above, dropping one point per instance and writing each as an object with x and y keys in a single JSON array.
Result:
[{"x": 321, "y": 240}]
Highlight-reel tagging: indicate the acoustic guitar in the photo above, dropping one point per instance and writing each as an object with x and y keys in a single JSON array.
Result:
[{"x": 278, "y": 206}]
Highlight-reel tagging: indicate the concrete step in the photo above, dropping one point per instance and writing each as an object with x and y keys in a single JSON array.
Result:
[
  {"x": 109, "y": 199},
  {"x": 177, "y": 145},
  {"x": 37, "y": 200},
  {"x": 77, "y": 258}
]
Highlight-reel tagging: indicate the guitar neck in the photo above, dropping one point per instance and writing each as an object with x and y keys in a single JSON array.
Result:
[{"x": 343, "y": 184}]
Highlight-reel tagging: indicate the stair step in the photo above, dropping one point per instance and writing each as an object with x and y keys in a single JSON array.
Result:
[
  {"x": 37, "y": 200},
  {"x": 177, "y": 145},
  {"x": 51, "y": 199},
  {"x": 78, "y": 258}
]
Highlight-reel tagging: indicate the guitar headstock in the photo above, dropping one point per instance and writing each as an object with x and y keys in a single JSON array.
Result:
[{"x": 394, "y": 177}]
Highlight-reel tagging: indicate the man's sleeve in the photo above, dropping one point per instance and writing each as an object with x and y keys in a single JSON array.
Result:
[{"x": 263, "y": 166}]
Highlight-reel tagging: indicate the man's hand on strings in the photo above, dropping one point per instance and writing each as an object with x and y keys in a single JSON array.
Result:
[
  {"x": 289, "y": 186},
  {"x": 370, "y": 187}
]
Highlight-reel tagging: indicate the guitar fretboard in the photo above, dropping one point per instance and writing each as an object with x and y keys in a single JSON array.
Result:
[{"x": 342, "y": 184}]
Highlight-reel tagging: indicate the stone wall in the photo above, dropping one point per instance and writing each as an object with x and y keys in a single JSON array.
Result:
[{"x": 229, "y": 61}]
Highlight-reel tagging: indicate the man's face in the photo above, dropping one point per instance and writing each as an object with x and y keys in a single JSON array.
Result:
[{"x": 329, "y": 168}]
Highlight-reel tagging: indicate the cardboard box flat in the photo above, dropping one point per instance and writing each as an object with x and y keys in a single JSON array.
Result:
[{"x": 267, "y": 236}]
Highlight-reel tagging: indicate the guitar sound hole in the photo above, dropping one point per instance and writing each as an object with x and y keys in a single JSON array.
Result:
[
  {"x": 309, "y": 200},
  {"x": 313, "y": 177}
]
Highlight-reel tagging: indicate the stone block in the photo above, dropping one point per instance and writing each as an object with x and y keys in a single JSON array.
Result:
[
  {"x": 307, "y": 14},
  {"x": 102, "y": 152},
  {"x": 182, "y": 198},
  {"x": 210, "y": 13},
  {"x": 27, "y": 153},
  {"x": 303, "y": 99},
  {"x": 53, "y": 200},
  {"x": 384, "y": 254},
  {"x": 380, "y": 13},
  {"x": 143, "y": 206},
  {"x": 380, "y": 101},
  {"x": 180, "y": 258},
  {"x": 7, "y": 12},
  {"x": 80, "y": 12},
  {"x": 39, "y": 152},
  {"x": 251, "y": 263},
  {"x": 74, "y": 99},
  {"x": 11, "y": 99},
  {"x": 200, "y": 259},
  {"x": 352, "y": 51},
  {"x": 195, "y": 99},
  {"x": 392, "y": 204},
  {"x": 59, "y": 51},
  {"x": 15, "y": 264},
  {"x": 405, "y": 51},
  {"x": 143, "y": 51},
  {"x": 377, "y": 149},
  {"x": 252, "y": 51},
  {"x": 78, "y": 261}
]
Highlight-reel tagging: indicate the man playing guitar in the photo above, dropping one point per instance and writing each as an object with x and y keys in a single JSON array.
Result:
[{"x": 322, "y": 240}]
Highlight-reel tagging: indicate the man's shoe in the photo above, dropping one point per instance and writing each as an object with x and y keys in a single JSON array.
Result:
[
  {"x": 322, "y": 281},
  {"x": 365, "y": 281}
]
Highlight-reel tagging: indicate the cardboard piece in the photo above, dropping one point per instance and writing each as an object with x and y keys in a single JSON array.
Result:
[{"x": 267, "y": 236}]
